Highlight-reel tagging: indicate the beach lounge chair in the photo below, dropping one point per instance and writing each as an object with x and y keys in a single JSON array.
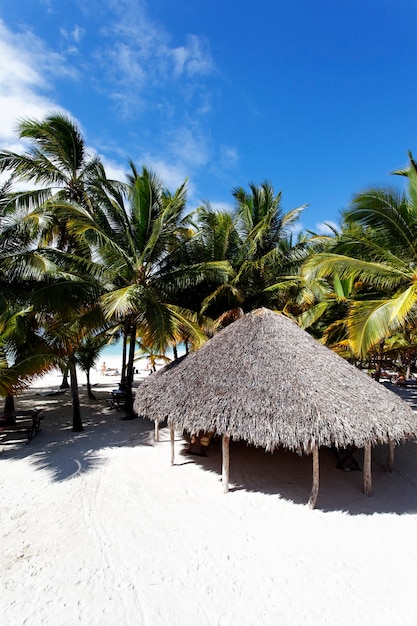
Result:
[
  {"x": 198, "y": 444},
  {"x": 26, "y": 421},
  {"x": 117, "y": 399},
  {"x": 345, "y": 459}
]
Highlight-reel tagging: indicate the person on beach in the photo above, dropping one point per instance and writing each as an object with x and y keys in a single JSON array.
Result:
[
  {"x": 103, "y": 369},
  {"x": 401, "y": 382}
]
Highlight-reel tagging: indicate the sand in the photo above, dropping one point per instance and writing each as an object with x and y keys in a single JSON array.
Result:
[{"x": 98, "y": 529}]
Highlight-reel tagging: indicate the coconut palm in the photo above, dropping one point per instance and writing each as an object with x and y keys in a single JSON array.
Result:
[
  {"x": 67, "y": 330},
  {"x": 57, "y": 293},
  {"x": 379, "y": 250},
  {"x": 24, "y": 354},
  {"x": 62, "y": 172},
  {"x": 270, "y": 253},
  {"x": 260, "y": 243},
  {"x": 56, "y": 162},
  {"x": 214, "y": 239},
  {"x": 87, "y": 354},
  {"x": 136, "y": 229}
]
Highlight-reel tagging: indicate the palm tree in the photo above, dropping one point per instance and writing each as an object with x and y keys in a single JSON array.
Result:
[
  {"x": 136, "y": 229},
  {"x": 62, "y": 172},
  {"x": 67, "y": 330},
  {"x": 270, "y": 253},
  {"x": 57, "y": 164},
  {"x": 87, "y": 354},
  {"x": 151, "y": 355},
  {"x": 60, "y": 291},
  {"x": 56, "y": 161},
  {"x": 23, "y": 350},
  {"x": 24, "y": 353},
  {"x": 213, "y": 238},
  {"x": 379, "y": 251},
  {"x": 261, "y": 246}
]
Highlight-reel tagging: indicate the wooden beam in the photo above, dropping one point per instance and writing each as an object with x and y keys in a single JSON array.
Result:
[
  {"x": 391, "y": 448},
  {"x": 316, "y": 479},
  {"x": 367, "y": 470},
  {"x": 156, "y": 430},
  {"x": 172, "y": 433},
  {"x": 225, "y": 462}
]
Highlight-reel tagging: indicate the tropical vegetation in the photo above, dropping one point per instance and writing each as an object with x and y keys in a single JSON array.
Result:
[{"x": 85, "y": 259}]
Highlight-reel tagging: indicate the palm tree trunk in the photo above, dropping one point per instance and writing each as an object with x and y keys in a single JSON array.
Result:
[
  {"x": 378, "y": 367},
  {"x": 9, "y": 404},
  {"x": 128, "y": 406},
  {"x": 408, "y": 356},
  {"x": 76, "y": 412},
  {"x": 123, "y": 377},
  {"x": 65, "y": 383},
  {"x": 90, "y": 394}
]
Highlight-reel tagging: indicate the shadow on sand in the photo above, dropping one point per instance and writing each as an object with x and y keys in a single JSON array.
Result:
[
  {"x": 288, "y": 476},
  {"x": 283, "y": 473},
  {"x": 103, "y": 428}
]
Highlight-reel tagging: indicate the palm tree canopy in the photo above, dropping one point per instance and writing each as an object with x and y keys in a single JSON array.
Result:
[
  {"x": 56, "y": 157},
  {"x": 269, "y": 257},
  {"x": 377, "y": 248},
  {"x": 136, "y": 230}
]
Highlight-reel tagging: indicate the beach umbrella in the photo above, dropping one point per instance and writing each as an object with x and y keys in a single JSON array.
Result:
[{"x": 264, "y": 380}]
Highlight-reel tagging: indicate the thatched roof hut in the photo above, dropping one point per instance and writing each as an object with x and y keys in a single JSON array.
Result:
[{"x": 265, "y": 380}]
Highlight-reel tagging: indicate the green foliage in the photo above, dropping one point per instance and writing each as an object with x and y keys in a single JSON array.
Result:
[
  {"x": 376, "y": 253},
  {"x": 80, "y": 253}
]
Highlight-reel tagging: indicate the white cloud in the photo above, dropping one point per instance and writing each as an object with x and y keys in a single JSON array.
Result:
[
  {"x": 172, "y": 176},
  {"x": 193, "y": 58},
  {"x": 137, "y": 65},
  {"x": 48, "y": 5},
  {"x": 128, "y": 63},
  {"x": 72, "y": 38},
  {"x": 114, "y": 171},
  {"x": 16, "y": 66},
  {"x": 189, "y": 145},
  {"x": 222, "y": 206},
  {"x": 325, "y": 228},
  {"x": 25, "y": 64},
  {"x": 228, "y": 156},
  {"x": 78, "y": 33},
  {"x": 138, "y": 56}
]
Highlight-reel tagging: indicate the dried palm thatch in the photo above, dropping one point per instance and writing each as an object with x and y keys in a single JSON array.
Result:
[{"x": 266, "y": 381}]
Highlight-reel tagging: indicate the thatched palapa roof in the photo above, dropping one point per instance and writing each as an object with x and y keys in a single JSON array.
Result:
[{"x": 265, "y": 380}]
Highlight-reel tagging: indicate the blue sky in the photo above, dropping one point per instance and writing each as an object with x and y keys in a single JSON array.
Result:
[{"x": 317, "y": 97}]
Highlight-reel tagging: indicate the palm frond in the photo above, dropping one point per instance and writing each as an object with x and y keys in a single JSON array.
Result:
[
  {"x": 378, "y": 274},
  {"x": 386, "y": 211},
  {"x": 371, "y": 321}
]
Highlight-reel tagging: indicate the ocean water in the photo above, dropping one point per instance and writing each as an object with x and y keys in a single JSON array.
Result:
[{"x": 115, "y": 351}]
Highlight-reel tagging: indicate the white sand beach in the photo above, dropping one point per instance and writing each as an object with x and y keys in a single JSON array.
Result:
[{"x": 98, "y": 529}]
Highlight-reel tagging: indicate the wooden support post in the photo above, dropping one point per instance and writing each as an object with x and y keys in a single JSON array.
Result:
[
  {"x": 156, "y": 430},
  {"x": 391, "y": 448},
  {"x": 367, "y": 470},
  {"x": 225, "y": 462},
  {"x": 316, "y": 479},
  {"x": 172, "y": 433}
]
